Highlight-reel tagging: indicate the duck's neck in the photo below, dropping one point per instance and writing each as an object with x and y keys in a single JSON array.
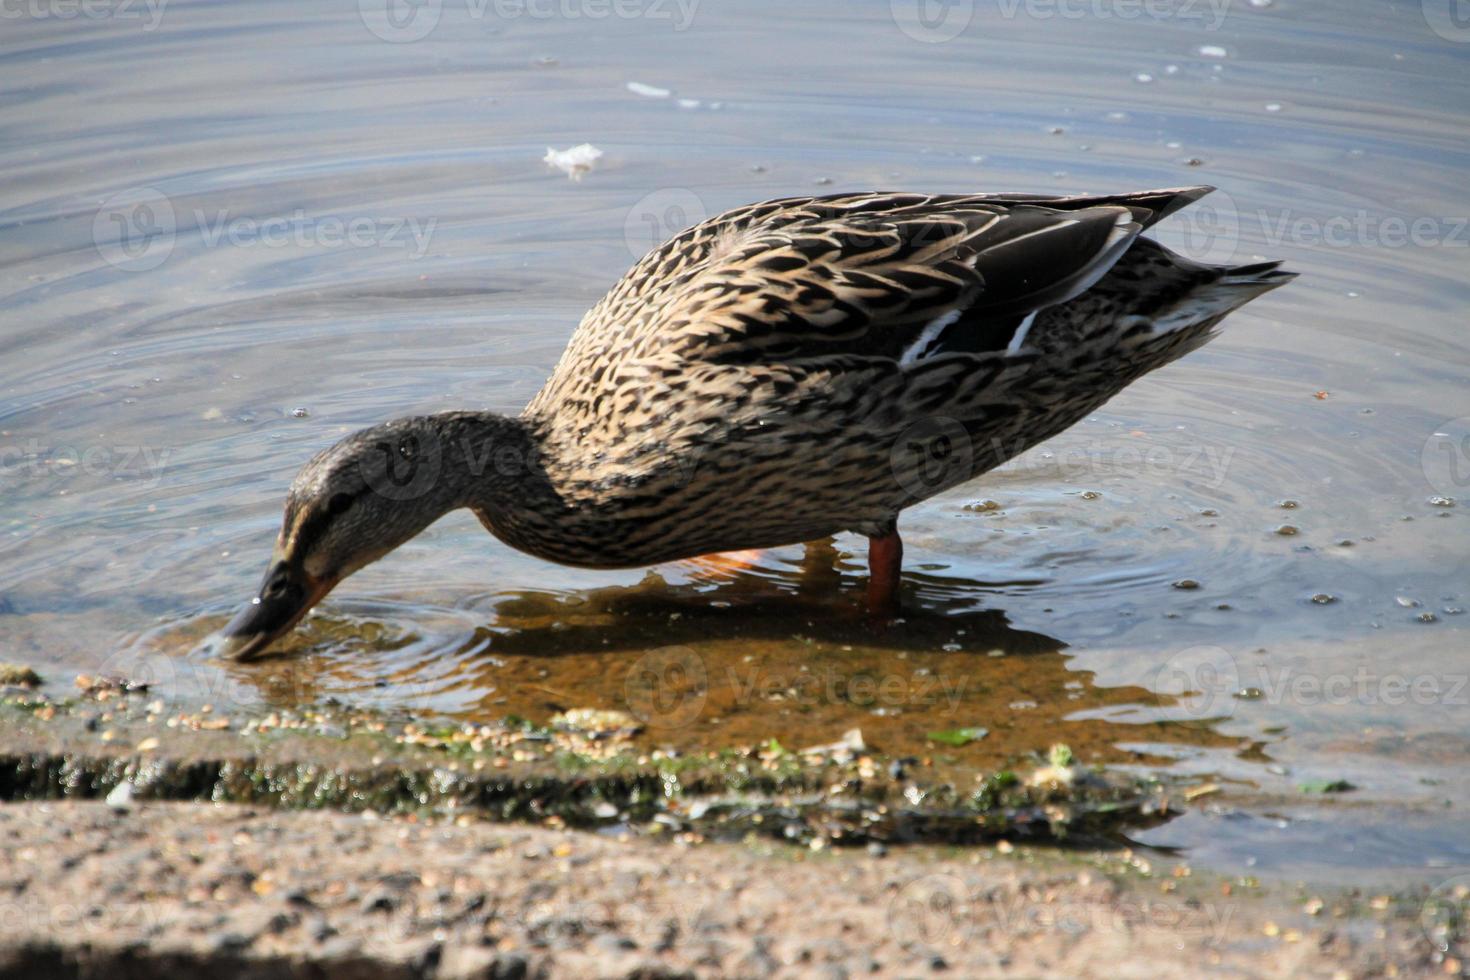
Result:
[{"x": 488, "y": 460}]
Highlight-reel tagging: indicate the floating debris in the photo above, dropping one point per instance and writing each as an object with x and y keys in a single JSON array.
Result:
[
  {"x": 299, "y": 413},
  {"x": 1326, "y": 786},
  {"x": 1441, "y": 501},
  {"x": 649, "y": 91},
  {"x": 958, "y": 736},
  {"x": 576, "y": 161},
  {"x": 1186, "y": 583},
  {"x": 1324, "y": 598},
  {"x": 1288, "y": 530}
]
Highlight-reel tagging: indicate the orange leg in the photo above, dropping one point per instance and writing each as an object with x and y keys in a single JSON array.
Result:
[{"x": 885, "y": 560}]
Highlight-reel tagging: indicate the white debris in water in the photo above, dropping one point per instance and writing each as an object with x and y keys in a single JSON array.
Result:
[
  {"x": 1212, "y": 51},
  {"x": 649, "y": 91},
  {"x": 576, "y": 161}
]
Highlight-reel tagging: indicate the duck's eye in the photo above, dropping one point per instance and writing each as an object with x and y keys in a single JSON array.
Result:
[
  {"x": 339, "y": 503},
  {"x": 408, "y": 447},
  {"x": 277, "y": 586}
]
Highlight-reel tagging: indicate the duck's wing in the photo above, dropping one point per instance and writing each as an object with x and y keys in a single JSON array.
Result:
[{"x": 900, "y": 276}]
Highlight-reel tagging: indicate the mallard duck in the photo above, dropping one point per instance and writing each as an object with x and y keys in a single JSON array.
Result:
[{"x": 780, "y": 373}]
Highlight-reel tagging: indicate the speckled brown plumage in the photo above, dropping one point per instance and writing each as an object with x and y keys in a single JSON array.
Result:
[
  {"x": 746, "y": 384},
  {"x": 780, "y": 373}
]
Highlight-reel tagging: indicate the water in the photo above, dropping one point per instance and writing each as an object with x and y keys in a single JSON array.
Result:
[{"x": 230, "y": 233}]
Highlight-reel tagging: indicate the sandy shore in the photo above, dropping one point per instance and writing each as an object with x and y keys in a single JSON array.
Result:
[{"x": 151, "y": 889}]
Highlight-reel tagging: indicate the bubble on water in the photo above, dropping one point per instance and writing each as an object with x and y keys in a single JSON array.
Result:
[
  {"x": 1438, "y": 501},
  {"x": 299, "y": 413},
  {"x": 1212, "y": 51},
  {"x": 1428, "y": 617},
  {"x": 1143, "y": 78},
  {"x": 1117, "y": 117},
  {"x": 1173, "y": 145},
  {"x": 1273, "y": 106},
  {"x": 1262, "y": 4},
  {"x": 1288, "y": 504},
  {"x": 1171, "y": 69},
  {"x": 1406, "y": 602},
  {"x": 1091, "y": 494},
  {"x": 1324, "y": 598}
]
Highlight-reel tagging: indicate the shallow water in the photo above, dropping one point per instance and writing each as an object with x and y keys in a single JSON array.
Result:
[{"x": 217, "y": 214}]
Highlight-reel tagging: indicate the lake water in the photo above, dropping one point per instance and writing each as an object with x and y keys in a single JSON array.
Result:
[{"x": 232, "y": 232}]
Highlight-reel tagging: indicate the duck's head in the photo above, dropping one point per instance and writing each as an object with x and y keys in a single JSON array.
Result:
[{"x": 348, "y": 507}]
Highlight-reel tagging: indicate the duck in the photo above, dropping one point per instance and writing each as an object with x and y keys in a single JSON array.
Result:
[{"x": 777, "y": 374}]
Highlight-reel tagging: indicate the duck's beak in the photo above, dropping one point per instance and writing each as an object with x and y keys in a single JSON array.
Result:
[{"x": 285, "y": 596}]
